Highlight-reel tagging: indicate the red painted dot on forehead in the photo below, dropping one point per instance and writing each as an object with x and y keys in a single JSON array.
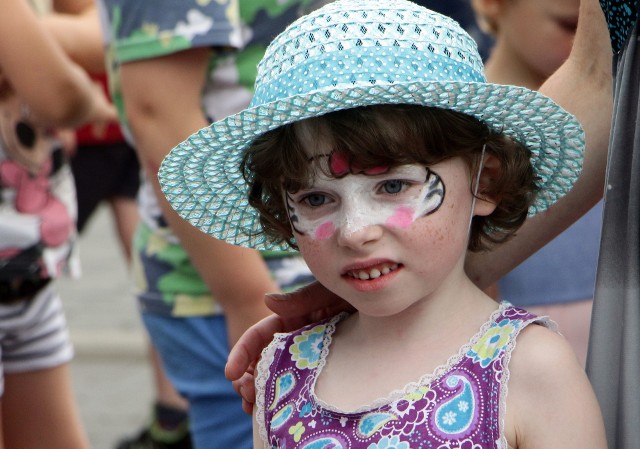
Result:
[{"x": 339, "y": 166}]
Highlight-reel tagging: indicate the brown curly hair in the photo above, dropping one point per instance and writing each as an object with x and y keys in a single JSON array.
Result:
[{"x": 390, "y": 136}]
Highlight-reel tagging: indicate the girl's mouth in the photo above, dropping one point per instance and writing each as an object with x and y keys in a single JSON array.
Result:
[{"x": 373, "y": 272}]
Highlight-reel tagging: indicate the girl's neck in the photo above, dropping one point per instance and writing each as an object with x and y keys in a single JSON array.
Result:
[
  {"x": 392, "y": 352},
  {"x": 444, "y": 312}
]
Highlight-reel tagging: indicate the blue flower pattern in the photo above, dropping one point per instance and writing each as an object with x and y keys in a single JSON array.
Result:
[
  {"x": 389, "y": 443},
  {"x": 307, "y": 348}
]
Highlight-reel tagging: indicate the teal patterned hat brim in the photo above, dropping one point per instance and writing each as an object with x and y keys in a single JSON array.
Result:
[{"x": 202, "y": 181}]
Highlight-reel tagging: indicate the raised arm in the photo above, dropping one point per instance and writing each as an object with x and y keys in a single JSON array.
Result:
[
  {"x": 582, "y": 85},
  {"x": 57, "y": 91}
]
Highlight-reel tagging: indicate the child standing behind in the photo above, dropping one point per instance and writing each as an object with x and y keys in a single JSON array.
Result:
[
  {"x": 375, "y": 146},
  {"x": 532, "y": 39}
]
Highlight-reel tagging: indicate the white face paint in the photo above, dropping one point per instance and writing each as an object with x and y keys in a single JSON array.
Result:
[{"x": 395, "y": 198}]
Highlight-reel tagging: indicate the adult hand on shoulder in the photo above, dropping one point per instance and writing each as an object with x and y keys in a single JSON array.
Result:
[{"x": 292, "y": 311}]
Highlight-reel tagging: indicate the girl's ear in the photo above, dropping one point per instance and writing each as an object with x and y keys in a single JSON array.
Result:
[{"x": 491, "y": 170}]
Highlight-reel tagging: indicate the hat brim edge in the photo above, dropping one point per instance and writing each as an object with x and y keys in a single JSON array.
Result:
[{"x": 554, "y": 136}]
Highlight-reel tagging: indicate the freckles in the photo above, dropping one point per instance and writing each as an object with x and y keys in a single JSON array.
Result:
[
  {"x": 435, "y": 235},
  {"x": 309, "y": 247},
  {"x": 325, "y": 231},
  {"x": 402, "y": 218}
]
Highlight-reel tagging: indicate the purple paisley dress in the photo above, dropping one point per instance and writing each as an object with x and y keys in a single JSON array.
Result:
[{"x": 460, "y": 405}]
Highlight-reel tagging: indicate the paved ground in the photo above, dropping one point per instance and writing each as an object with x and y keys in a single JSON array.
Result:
[{"x": 110, "y": 372}]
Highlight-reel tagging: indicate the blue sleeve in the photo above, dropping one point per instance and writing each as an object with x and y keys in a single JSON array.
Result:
[{"x": 143, "y": 29}]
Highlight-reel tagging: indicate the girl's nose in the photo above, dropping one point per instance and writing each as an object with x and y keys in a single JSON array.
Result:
[{"x": 356, "y": 230}]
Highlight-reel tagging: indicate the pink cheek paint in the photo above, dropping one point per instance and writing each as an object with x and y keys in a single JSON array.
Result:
[
  {"x": 325, "y": 230},
  {"x": 402, "y": 218}
]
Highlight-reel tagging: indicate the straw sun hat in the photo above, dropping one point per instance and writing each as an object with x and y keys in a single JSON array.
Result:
[{"x": 354, "y": 53}]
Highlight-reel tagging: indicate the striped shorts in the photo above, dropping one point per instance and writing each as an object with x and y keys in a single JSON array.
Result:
[{"x": 33, "y": 334}]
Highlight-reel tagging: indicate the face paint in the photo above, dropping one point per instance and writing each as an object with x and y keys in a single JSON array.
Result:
[
  {"x": 339, "y": 166},
  {"x": 394, "y": 198}
]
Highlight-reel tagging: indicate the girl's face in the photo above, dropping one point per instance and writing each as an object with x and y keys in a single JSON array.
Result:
[{"x": 383, "y": 239}]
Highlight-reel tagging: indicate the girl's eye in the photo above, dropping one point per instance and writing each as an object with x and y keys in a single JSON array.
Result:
[
  {"x": 315, "y": 199},
  {"x": 394, "y": 186}
]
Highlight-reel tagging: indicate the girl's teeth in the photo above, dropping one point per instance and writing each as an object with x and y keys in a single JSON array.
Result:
[{"x": 374, "y": 273}]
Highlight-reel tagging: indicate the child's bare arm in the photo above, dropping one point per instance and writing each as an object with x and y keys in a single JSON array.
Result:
[
  {"x": 550, "y": 402},
  {"x": 75, "y": 25},
  {"x": 57, "y": 91}
]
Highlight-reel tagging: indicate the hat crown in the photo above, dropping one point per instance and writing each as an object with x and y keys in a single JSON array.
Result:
[{"x": 365, "y": 43}]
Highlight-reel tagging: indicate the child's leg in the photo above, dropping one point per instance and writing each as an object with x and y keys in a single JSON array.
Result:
[
  {"x": 194, "y": 352},
  {"x": 39, "y": 410},
  {"x": 169, "y": 423},
  {"x": 38, "y": 406},
  {"x": 165, "y": 392}
]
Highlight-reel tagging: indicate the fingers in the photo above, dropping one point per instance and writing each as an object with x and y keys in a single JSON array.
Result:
[
  {"x": 247, "y": 407},
  {"x": 305, "y": 302},
  {"x": 245, "y": 387},
  {"x": 250, "y": 345}
]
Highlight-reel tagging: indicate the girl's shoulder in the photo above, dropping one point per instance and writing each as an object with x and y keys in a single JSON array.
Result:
[
  {"x": 538, "y": 349},
  {"x": 542, "y": 353},
  {"x": 507, "y": 323},
  {"x": 550, "y": 399}
]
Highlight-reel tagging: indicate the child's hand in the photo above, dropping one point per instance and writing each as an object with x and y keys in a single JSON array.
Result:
[
  {"x": 103, "y": 111},
  {"x": 294, "y": 310},
  {"x": 67, "y": 139},
  {"x": 245, "y": 353}
]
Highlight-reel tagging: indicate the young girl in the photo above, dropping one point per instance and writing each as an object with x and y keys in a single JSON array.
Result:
[{"x": 375, "y": 146}]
